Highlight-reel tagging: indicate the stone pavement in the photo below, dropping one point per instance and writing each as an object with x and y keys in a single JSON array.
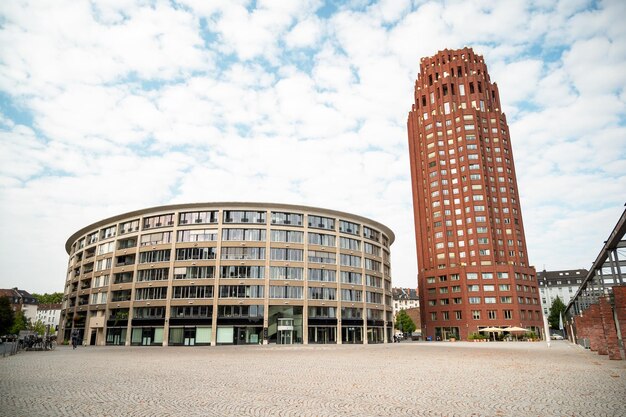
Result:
[{"x": 402, "y": 379}]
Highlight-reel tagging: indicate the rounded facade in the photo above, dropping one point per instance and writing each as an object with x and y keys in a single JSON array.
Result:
[{"x": 229, "y": 273}]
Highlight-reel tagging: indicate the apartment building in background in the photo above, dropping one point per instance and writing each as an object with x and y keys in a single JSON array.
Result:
[{"x": 562, "y": 284}]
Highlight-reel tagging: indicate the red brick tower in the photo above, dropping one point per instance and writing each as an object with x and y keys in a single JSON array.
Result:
[{"x": 471, "y": 250}]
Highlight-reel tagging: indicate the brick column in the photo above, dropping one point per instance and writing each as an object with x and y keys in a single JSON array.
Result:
[
  {"x": 596, "y": 330},
  {"x": 619, "y": 293},
  {"x": 620, "y": 307},
  {"x": 581, "y": 329},
  {"x": 610, "y": 333}
]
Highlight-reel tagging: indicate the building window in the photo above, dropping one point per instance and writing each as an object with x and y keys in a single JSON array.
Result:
[
  {"x": 321, "y": 239},
  {"x": 280, "y": 272},
  {"x": 249, "y": 235},
  {"x": 290, "y": 219},
  {"x": 197, "y": 217},
  {"x": 158, "y": 221},
  {"x": 240, "y": 216},
  {"x": 476, "y": 314},
  {"x": 321, "y": 222},
  {"x": 242, "y": 291},
  {"x": 287, "y": 236},
  {"x": 323, "y": 275},
  {"x": 349, "y": 227},
  {"x": 351, "y": 278}
]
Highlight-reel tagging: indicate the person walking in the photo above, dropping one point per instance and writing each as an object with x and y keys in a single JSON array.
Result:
[{"x": 74, "y": 339}]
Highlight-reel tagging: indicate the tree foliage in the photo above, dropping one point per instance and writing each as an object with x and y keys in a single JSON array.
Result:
[
  {"x": 555, "y": 310},
  {"x": 7, "y": 317},
  {"x": 20, "y": 323},
  {"x": 404, "y": 322},
  {"x": 54, "y": 298},
  {"x": 38, "y": 327}
]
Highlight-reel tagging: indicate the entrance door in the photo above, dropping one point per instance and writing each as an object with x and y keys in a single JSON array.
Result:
[
  {"x": 285, "y": 337},
  {"x": 240, "y": 336},
  {"x": 146, "y": 337},
  {"x": 285, "y": 331},
  {"x": 92, "y": 341},
  {"x": 189, "y": 336},
  {"x": 322, "y": 335}
]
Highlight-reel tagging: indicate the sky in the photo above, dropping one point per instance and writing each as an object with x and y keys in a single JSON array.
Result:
[{"x": 113, "y": 106}]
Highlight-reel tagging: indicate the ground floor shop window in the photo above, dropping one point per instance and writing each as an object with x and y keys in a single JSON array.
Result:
[
  {"x": 239, "y": 335},
  {"x": 322, "y": 334},
  {"x": 147, "y": 336},
  {"x": 189, "y": 336},
  {"x": 116, "y": 336},
  {"x": 351, "y": 334},
  {"x": 375, "y": 335},
  {"x": 446, "y": 333}
]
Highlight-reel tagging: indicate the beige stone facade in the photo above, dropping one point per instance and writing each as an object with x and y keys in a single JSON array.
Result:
[{"x": 229, "y": 273}]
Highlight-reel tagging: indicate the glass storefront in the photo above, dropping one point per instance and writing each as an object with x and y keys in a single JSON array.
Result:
[
  {"x": 116, "y": 336},
  {"x": 351, "y": 334},
  {"x": 239, "y": 335},
  {"x": 147, "y": 336},
  {"x": 190, "y": 336},
  {"x": 445, "y": 333},
  {"x": 322, "y": 334},
  {"x": 375, "y": 334}
]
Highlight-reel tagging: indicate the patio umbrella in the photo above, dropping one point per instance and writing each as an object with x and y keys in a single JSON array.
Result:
[
  {"x": 491, "y": 330},
  {"x": 515, "y": 329}
]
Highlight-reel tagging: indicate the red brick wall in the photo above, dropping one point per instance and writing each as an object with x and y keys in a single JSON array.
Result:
[{"x": 597, "y": 323}]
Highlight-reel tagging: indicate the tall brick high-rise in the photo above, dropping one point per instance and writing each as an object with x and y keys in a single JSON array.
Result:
[{"x": 471, "y": 250}]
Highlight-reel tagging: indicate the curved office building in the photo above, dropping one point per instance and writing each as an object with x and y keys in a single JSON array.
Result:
[{"x": 229, "y": 273}]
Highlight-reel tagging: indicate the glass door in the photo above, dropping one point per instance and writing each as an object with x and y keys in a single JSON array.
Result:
[{"x": 285, "y": 337}]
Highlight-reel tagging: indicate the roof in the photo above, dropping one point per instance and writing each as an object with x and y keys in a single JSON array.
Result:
[
  {"x": 24, "y": 296},
  {"x": 566, "y": 277},
  {"x": 54, "y": 306},
  {"x": 405, "y": 294}
]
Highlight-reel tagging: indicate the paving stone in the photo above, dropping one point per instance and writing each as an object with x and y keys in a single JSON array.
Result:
[{"x": 402, "y": 379}]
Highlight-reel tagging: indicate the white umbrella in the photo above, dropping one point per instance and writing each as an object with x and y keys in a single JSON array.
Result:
[
  {"x": 491, "y": 329},
  {"x": 515, "y": 329}
]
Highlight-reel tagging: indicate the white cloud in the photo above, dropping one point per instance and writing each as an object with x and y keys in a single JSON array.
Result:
[{"x": 115, "y": 106}]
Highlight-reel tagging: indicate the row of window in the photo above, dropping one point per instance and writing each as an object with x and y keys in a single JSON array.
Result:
[
  {"x": 480, "y": 300},
  {"x": 236, "y": 253},
  {"x": 491, "y": 315},
  {"x": 240, "y": 291},
  {"x": 238, "y": 272},
  {"x": 229, "y": 216},
  {"x": 235, "y": 311},
  {"x": 250, "y": 235}
]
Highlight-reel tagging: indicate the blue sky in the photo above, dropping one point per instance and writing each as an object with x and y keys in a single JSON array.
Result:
[{"x": 112, "y": 106}]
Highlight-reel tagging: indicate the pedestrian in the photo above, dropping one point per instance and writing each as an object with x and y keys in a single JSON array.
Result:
[{"x": 74, "y": 339}]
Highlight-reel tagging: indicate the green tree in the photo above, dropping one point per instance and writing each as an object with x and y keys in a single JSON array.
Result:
[
  {"x": 404, "y": 322},
  {"x": 20, "y": 323},
  {"x": 7, "y": 316},
  {"x": 38, "y": 327},
  {"x": 54, "y": 298},
  {"x": 555, "y": 310}
]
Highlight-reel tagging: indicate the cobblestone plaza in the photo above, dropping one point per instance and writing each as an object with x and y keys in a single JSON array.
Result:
[{"x": 410, "y": 379}]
